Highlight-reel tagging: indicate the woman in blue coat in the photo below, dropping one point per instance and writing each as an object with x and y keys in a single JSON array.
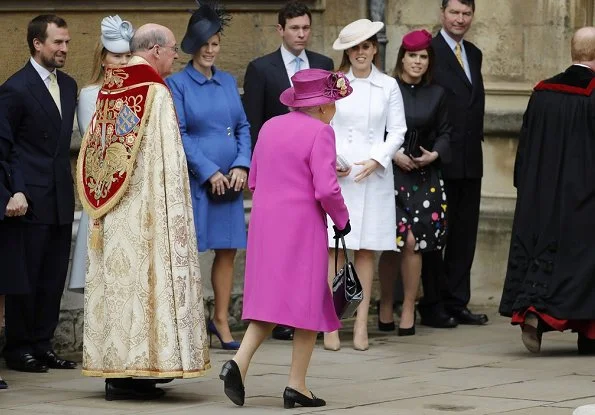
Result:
[{"x": 216, "y": 137}]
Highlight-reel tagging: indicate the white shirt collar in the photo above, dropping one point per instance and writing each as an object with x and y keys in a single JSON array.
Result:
[
  {"x": 289, "y": 57},
  {"x": 374, "y": 78},
  {"x": 580, "y": 64},
  {"x": 43, "y": 72},
  {"x": 450, "y": 41}
]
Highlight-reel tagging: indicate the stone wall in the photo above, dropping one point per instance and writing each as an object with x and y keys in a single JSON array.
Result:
[{"x": 523, "y": 41}]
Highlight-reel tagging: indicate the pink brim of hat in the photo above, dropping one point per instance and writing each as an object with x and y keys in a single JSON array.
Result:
[{"x": 287, "y": 98}]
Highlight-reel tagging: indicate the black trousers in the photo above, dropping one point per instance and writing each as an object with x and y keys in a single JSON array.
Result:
[{"x": 31, "y": 319}]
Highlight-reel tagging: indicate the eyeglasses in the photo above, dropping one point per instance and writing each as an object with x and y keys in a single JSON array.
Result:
[{"x": 175, "y": 48}]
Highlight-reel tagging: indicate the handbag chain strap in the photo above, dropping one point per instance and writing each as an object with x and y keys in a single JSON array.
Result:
[{"x": 337, "y": 251}]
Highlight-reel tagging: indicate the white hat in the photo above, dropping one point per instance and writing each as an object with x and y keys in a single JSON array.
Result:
[
  {"x": 356, "y": 32},
  {"x": 116, "y": 34}
]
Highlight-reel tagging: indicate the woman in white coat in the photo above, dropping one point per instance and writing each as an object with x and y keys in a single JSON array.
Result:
[
  {"x": 112, "y": 49},
  {"x": 369, "y": 127}
]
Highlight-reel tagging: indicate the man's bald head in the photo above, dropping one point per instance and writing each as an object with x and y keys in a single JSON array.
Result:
[
  {"x": 157, "y": 45},
  {"x": 582, "y": 47}
]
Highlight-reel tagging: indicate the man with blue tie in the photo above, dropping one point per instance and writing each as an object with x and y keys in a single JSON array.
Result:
[
  {"x": 268, "y": 76},
  {"x": 457, "y": 68},
  {"x": 37, "y": 106}
]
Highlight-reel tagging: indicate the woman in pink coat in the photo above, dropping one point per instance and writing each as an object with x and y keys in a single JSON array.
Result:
[{"x": 294, "y": 182}]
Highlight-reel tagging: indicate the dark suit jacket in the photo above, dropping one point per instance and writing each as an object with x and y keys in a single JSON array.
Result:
[
  {"x": 466, "y": 107},
  {"x": 266, "y": 77},
  {"x": 41, "y": 141}
]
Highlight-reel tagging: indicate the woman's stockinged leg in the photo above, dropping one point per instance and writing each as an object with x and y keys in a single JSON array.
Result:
[
  {"x": 364, "y": 266},
  {"x": 388, "y": 266},
  {"x": 222, "y": 282},
  {"x": 331, "y": 339},
  {"x": 411, "y": 262},
  {"x": 256, "y": 333},
  {"x": 303, "y": 345}
]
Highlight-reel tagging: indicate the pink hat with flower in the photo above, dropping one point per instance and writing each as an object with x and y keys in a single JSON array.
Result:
[
  {"x": 313, "y": 87},
  {"x": 417, "y": 40}
]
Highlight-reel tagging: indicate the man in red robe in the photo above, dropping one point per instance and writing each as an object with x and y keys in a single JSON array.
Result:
[{"x": 550, "y": 281}]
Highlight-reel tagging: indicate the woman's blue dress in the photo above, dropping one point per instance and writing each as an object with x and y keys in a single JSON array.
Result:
[{"x": 216, "y": 137}]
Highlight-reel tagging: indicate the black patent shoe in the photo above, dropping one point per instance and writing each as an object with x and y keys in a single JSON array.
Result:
[
  {"x": 465, "y": 316},
  {"x": 26, "y": 363},
  {"x": 282, "y": 333},
  {"x": 131, "y": 389},
  {"x": 438, "y": 321},
  {"x": 53, "y": 361},
  {"x": 291, "y": 397},
  {"x": 233, "y": 385},
  {"x": 585, "y": 345}
]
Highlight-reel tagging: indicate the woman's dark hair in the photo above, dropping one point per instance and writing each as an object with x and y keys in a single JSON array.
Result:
[
  {"x": 470, "y": 3},
  {"x": 426, "y": 77},
  {"x": 38, "y": 29},
  {"x": 346, "y": 64},
  {"x": 292, "y": 10}
]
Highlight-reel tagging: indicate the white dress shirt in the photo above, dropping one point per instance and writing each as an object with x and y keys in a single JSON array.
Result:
[
  {"x": 289, "y": 61},
  {"x": 43, "y": 72},
  {"x": 452, "y": 44}
]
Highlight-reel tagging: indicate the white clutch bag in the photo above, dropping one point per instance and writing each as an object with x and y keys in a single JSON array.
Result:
[{"x": 342, "y": 163}]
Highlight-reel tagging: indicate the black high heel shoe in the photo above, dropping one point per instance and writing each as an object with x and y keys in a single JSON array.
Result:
[
  {"x": 291, "y": 397},
  {"x": 233, "y": 385},
  {"x": 406, "y": 332},
  {"x": 384, "y": 326}
]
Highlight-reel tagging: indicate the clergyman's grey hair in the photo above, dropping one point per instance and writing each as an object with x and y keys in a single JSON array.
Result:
[{"x": 147, "y": 39}]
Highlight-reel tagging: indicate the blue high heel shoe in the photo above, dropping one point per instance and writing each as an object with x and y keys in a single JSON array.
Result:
[{"x": 232, "y": 345}]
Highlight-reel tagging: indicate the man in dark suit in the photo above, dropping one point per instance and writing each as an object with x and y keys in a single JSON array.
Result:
[
  {"x": 457, "y": 69},
  {"x": 40, "y": 118},
  {"x": 268, "y": 76}
]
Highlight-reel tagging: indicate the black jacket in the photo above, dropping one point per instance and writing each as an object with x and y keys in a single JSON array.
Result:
[
  {"x": 41, "y": 141},
  {"x": 466, "y": 107},
  {"x": 266, "y": 77}
]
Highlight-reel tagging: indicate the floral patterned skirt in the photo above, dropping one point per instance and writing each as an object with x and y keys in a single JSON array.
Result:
[{"x": 421, "y": 207}]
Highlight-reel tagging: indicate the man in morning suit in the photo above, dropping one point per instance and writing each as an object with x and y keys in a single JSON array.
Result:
[
  {"x": 457, "y": 69},
  {"x": 268, "y": 76},
  {"x": 40, "y": 118}
]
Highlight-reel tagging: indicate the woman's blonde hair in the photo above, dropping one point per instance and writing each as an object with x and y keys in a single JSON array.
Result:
[{"x": 97, "y": 68}]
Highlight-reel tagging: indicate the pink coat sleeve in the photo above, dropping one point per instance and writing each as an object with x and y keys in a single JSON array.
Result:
[
  {"x": 324, "y": 176},
  {"x": 252, "y": 173}
]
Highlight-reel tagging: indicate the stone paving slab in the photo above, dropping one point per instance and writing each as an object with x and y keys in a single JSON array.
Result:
[{"x": 467, "y": 371}]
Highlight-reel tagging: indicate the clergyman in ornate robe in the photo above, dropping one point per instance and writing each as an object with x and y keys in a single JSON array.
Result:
[{"x": 144, "y": 311}]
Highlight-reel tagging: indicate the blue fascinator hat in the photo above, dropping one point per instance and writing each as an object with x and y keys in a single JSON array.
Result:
[
  {"x": 210, "y": 18},
  {"x": 116, "y": 34}
]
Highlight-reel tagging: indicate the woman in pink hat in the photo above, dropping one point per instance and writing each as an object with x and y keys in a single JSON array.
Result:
[
  {"x": 294, "y": 185},
  {"x": 419, "y": 189},
  {"x": 375, "y": 108}
]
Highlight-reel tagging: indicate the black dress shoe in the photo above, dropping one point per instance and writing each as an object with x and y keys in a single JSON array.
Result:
[
  {"x": 465, "y": 316},
  {"x": 26, "y": 363},
  {"x": 585, "y": 345},
  {"x": 283, "y": 333},
  {"x": 53, "y": 361},
  {"x": 131, "y": 389},
  {"x": 406, "y": 332},
  {"x": 232, "y": 380},
  {"x": 3, "y": 384},
  {"x": 439, "y": 320},
  {"x": 291, "y": 397}
]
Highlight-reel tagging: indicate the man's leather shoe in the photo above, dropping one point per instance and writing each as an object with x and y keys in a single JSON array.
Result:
[
  {"x": 53, "y": 361},
  {"x": 465, "y": 316},
  {"x": 26, "y": 363},
  {"x": 283, "y": 333},
  {"x": 585, "y": 345},
  {"x": 439, "y": 320},
  {"x": 131, "y": 390}
]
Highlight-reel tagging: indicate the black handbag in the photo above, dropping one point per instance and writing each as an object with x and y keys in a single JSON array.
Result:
[
  {"x": 347, "y": 289},
  {"x": 412, "y": 143},
  {"x": 228, "y": 196}
]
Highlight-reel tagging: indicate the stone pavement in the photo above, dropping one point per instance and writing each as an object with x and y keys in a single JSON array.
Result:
[{"x": 467, "y": 371}]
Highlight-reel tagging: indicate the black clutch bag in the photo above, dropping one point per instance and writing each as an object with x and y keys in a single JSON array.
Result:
[
  {"x": 229, "y": 196},
  {"x": 347, "y": 289},
  {"x": 412, "y": 143}
]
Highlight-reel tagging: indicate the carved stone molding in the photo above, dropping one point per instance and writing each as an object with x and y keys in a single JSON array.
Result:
[{"x": 143, "y": 5}]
